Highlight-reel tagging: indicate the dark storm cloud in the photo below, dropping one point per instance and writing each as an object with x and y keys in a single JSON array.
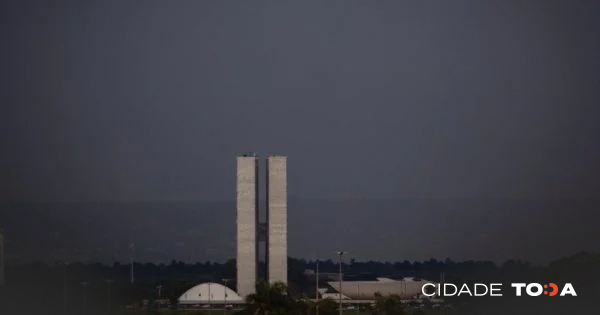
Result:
[{"x": 152, "y": 100}]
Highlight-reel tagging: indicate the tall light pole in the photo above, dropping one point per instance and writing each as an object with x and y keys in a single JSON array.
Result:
[
  {"x": 352, "y": 265},
  {"x": 317, "y": 289},
  {"x": 131, "y": 262},
  {"x": 65, "y": 288},
  {"x": 225, "y": 281},
  {"x": 84, "y": 284},
  {"x": 340, "y": 254},
  {"x": 108, "y": 283},
  {"x": 158, "y": 302},
  {"x": 358, "y": 298},
  {"x": 209, "y": 296}
]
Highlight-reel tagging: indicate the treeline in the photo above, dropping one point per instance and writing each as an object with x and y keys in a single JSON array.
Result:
[{"x": 75, "y": 287}]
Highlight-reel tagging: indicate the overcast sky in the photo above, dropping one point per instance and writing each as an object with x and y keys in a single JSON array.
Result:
[
  {"x": 418, "y": 100},
  {"x": 152, "y": 100}
]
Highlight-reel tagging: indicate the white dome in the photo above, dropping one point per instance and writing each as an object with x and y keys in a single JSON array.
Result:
[{"x": 206, "y": 293}]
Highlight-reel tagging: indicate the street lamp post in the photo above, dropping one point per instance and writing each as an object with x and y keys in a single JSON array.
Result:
[
  {"x": 84, "y": 284},
  {"x": 317, "y": 289},
  {"x": 225, "y": 281},
  {"x": 158, "y": 302},
  {"x": 131, "y": 262},
  {"x": 108, "y": 283},
  {"x": 340, "y": 254},
  {"x": 358, "y": 298},
  {"x": 65, "y": 288},
  {"x": 352, "y": 264}
]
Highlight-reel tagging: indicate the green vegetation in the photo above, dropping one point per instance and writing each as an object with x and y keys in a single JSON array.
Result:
[
  {"x": 276, "y": 299},
  {"x": 57, "y": 289},
  {"x": 388, "y": 305}
]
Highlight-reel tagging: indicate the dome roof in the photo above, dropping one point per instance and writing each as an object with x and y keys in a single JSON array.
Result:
[{"x": 210, "y": 292}]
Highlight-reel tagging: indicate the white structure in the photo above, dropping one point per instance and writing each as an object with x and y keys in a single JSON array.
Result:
[
  {"x": 333, "y": 296},
  {"x": 365, "y": 290},
  {"x": 277, "y": 219},
  {"x": 247, "y": 219},
  {"x": 210, "y": 293}
]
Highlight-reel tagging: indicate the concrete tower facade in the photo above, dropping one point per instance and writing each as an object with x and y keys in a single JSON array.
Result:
[
  {"x": 250, "y": 231},
  {"x": 247, "y": 219},
  {"x": 277, "y": 219}
]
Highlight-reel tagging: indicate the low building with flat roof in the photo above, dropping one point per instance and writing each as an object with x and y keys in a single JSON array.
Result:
[{"x": 366, "y": 290}]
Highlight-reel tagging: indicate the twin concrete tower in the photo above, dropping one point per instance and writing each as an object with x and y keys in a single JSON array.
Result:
[{"x": 250, "y": 231}]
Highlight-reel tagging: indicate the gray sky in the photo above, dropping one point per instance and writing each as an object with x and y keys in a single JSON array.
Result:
[
  {"x": 418, "y": 100},
  {"x": 145, "y": 100}
]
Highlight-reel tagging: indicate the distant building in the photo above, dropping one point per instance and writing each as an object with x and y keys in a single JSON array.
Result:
[
  {"x": 311, "y": 274},
  {"x": 366, "y": 290},
  {"x": 250, "y": 231},
  {"x": 333, "y": 295}
]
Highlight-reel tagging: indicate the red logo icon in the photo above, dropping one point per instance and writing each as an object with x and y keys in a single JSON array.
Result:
[{"x": 554, "y": 289}]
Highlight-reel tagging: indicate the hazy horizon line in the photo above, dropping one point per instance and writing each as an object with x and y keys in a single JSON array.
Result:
[{"x": 310, "y": 260}]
